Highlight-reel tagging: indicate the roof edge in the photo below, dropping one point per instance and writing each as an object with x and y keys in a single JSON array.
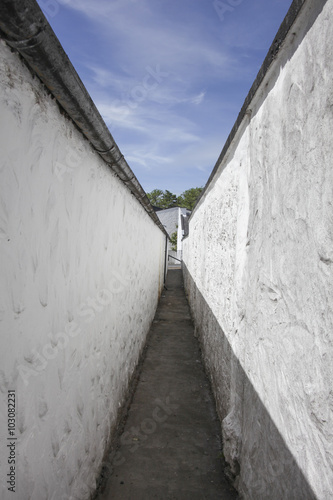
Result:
[{"x": 25, "y": 29}]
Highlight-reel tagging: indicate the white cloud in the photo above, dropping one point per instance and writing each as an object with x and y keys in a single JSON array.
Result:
[
  {"x": 119, "y": 115},
  {"x": 94, "y": 10},
  {"x": 175, "y": 125},
  {"x": 198, "y": 98},
  {"x": 106, "y": 78},
  {"x": 142, "y": 37},
  {"x": 148, "y": 159}
]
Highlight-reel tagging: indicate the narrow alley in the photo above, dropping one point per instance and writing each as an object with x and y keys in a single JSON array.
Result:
[
  {"x": 171, "y": 444},
  {"x": 113, "y": 386}
]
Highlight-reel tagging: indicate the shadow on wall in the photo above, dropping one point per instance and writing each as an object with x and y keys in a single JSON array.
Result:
[{"x": 260, "y": 462}]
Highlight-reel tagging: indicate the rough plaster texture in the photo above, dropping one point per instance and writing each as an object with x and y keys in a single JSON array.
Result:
[
  {"x": 258, "y": 272},
  {"x": 79, "y": 289}
]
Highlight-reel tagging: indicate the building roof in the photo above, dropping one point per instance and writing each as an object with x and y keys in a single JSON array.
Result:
[{"x": 170, "y": 218}]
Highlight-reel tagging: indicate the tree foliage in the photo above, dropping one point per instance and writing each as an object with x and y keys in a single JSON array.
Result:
[
  {"x": 156, "y": 197},
  {"x": 166, "y": 199},
  {"x": 189, "y": 198},
  {"x": 162, "y": 199},
  {"x": 173, "y": 239},
  {"x": 169, "y": 199}
]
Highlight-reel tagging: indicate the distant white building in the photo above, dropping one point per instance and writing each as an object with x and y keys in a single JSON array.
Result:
[{"x": 175, "y": 220}]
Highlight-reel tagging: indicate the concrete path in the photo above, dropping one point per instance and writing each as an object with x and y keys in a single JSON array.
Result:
[{"x": 170, "y": 447}]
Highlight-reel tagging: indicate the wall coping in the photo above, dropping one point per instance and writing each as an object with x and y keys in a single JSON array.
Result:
[
  {"x": 273, "y": 51},
  {"x": 25, "y": 29}
]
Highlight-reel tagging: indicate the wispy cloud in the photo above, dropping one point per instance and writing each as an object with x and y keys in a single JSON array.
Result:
[
  {"x": 142, "y": 31},
  {"x": 198, "y": 98},
  {"x": 118, "y": 115},
  {"x": 147, "y": 158},
  {"x": 171, "y": 128}
]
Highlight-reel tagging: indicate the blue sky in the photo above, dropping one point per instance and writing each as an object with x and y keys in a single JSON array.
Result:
[{"x": 168, "y": 76}]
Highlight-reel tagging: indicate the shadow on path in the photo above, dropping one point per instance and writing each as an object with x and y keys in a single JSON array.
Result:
[
  {"x": 171, "y": 444},
  {"x": 265, "y": 466}
]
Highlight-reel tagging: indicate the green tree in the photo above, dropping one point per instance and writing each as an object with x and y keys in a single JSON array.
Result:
[
  {"x": 162, "y": 199},
  {"x": 166, "y": 199},
  {"x": 173, "y": 239},
  {"x": 169, "y": 199},
  {"x": 189, "y": 198},
  {"x": 156, "y": 197}
]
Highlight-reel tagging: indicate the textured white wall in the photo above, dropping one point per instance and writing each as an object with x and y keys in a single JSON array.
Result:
[
  {"x": 258, "y": 272},
  {"x": 79, "y": 289}
]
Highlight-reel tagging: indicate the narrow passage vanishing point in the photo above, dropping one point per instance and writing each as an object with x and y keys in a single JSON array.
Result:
[{"x": 171, "y": 444}]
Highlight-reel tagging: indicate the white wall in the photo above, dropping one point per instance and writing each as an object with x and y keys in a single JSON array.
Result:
[
  {"x": 258, "y": 272},
  {"x": 79, "y": 288},
  {"x": 171, "y": 219},
  {"x": 177, "y": 255}
]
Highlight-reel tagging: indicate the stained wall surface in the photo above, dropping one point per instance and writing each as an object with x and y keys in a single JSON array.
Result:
[
  {"x": 79, "y": 289},
  {"x": 258, "y": 271}
]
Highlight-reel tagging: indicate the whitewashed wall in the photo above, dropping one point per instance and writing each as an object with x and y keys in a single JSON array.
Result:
[
  {"x": 79, "y": 289},
  {"x": 171, "y": 219},
  {"x": 258, "y": 272}
]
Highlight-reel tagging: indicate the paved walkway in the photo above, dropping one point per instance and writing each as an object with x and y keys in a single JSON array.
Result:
[{"x": 170, "y": 448}]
